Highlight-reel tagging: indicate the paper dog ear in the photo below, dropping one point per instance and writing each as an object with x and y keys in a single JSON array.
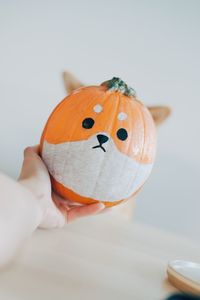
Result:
[
  {"x": 159, "y": 113},
  {"x": 70, "y": 82}
]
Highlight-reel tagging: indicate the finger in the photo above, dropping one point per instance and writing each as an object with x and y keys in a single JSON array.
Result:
[
  {"x": 53, "y": 218},
  {"x": 61, "y": 207},
  {"x": 106, "y": 210},
  {"x": 83, "y": 211},
  {"x": 64, "y": 202}
]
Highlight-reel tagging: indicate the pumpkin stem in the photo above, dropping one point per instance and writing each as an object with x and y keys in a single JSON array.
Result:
[{"x": 116, "y": 84}]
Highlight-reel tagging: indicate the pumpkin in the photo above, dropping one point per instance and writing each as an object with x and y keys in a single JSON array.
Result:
[{"x": 99, "y": 144}]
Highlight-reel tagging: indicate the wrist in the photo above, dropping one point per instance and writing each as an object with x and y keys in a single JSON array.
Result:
[{"x": 32, "y": 197}]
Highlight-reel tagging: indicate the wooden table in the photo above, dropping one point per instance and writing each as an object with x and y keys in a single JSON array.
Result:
[{"x": 103, "y": 257}]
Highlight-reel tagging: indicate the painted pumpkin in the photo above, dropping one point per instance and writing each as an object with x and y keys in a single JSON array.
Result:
[{"x": 99, "y": 144}]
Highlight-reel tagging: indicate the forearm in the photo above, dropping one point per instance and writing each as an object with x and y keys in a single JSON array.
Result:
[{"x": 20, "y": 215}]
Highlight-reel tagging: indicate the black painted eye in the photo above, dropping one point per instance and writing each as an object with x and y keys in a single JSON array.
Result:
[
  {"x": 122, "y": 134},
  {"x": 88, "y": 123}
]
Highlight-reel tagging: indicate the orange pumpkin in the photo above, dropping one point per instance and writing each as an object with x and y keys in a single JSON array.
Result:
[{"x": 99, "y": 144}]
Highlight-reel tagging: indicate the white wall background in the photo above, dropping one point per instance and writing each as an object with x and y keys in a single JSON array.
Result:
[{"x": 153, "y": 45}]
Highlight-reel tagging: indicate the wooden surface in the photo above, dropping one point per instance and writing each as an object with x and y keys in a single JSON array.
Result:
[{"x": 103, "y": 257}]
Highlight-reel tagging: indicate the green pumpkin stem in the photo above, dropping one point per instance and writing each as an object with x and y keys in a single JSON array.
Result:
[{"x": 116, "y": 84}]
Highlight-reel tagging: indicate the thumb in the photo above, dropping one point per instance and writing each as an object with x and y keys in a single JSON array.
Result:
[
  {"x": 31, "y": 162},
  {"x": 27, "y": 163}
]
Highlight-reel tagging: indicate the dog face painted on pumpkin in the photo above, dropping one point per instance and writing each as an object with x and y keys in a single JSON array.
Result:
[{"x": 99, "y": 145}]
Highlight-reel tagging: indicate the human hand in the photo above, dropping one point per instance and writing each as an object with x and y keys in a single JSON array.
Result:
[{"x": 55, "y": 210}]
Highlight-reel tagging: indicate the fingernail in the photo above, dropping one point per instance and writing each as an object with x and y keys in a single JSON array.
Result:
[
  {"x": 101, "y": 205},
  {"x": 26, "y": 151}
]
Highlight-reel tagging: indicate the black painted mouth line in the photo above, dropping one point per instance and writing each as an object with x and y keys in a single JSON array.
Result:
[{"x": 99, "y": 146}]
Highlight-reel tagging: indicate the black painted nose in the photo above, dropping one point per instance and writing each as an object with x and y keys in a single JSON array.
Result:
[{"x": 102, "y": 138}]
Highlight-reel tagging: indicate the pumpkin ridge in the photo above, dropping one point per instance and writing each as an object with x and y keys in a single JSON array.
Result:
[
  {"x": 142, "y": 153},
  {"x": 116, "y": 109},
  {"x": 47, "y": 123}
]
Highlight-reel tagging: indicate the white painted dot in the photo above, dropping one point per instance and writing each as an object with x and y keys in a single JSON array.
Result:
[
  {"x": 122, "y": 116},
  {"x": 98, "y": 108}
]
